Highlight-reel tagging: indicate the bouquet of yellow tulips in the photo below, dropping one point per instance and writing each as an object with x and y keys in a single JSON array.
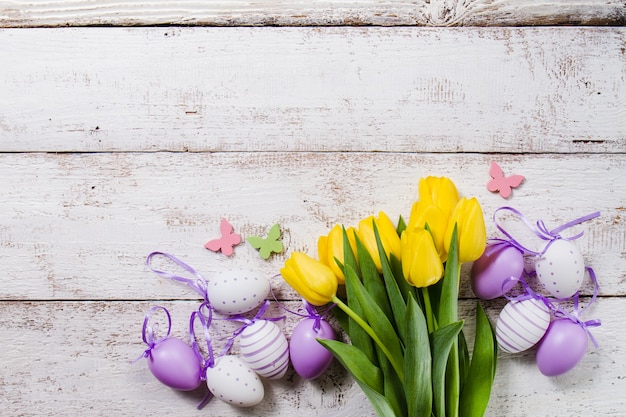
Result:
[{"x": 407, "y": 350}]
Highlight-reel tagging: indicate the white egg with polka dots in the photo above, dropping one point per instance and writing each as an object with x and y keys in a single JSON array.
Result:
[
  {"x": 232, "y": 381},
  {"x": 237, "y": 291},
  {"x": 561, "y": 269}
]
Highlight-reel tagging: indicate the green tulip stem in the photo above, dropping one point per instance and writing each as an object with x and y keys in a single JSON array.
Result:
[
  {"x": 396, "y": 366},
  {"x": 428, "y": 309}
]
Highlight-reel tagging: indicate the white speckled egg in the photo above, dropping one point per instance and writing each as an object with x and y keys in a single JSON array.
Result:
[
  {"x": 265, "y": 349},
  {"x": 233, "y": 382},
  {"x": 237, "y": 291},
  {"x": 561, "y": 269},
  {"x": 521, "y": 324}
]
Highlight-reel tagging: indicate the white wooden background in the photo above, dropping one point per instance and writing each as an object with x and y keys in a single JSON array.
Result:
[{"x": 121, "y": 134}]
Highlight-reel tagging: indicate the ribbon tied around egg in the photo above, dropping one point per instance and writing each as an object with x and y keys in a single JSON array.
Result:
[{"x": 550, "y": 323}]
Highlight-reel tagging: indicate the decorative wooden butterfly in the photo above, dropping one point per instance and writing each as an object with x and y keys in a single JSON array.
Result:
[
  {"x": 226, "y": 242},
  {"x": 501, "y": 183},
  {"x": 267, "y": 245}
]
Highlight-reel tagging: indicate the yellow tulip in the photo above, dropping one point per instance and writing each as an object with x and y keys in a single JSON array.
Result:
[
  {"x": 313, "y": 280},
  {"x": 331, "y": 247},
  {"x": 472, "y": 235},
  {"x": 423, "y": 214},
  {"x": 439, "y": 191},
  {"x": 421, "y": 264},
  {"x": 388, "y": 237}
]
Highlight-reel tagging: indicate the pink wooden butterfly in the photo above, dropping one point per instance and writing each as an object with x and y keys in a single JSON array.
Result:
[
  {"x": 501, "y": 183},
  {"x": 226, "y": 242}
]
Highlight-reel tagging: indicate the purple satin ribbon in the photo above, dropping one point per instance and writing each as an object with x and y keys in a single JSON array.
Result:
[
  {"x": 527, "y": 294},
  {"x": 574, "y": 315},
  {"x": 555, "y": 305},
  {"x": 311, "y": 312},
  {"x": 205, "y": 321},
  {"x": 199, "y": 285},
  {"x": 247, "y": 322},
  {"x": 539, "y": 229},
  {"x": 148, "y": 333}
]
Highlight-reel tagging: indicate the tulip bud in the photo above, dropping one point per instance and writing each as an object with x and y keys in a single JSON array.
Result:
[
  {"x": 314, "y": 281},
  {"x": 388, "y": 237},
  {"x": 472, "y": 235},
  {"x": 423, "y": 214},
  {"x": 439, "y": 191},
  {"x": 421, "y": 264},
  {"x": 331, "y": 247}
]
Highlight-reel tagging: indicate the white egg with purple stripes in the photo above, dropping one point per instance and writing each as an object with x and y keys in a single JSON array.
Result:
[
  {"x": 265, "y": 349},
  {"x": 521, "y": 324}
]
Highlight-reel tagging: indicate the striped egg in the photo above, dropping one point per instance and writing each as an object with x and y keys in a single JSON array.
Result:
[
  {"x": 521, "y": 324},
  {"x": 265, "y": 349}
]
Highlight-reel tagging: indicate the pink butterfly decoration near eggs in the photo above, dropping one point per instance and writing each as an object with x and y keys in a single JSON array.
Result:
[
  {"x": 226, "y": 242},
  {"x": 500, "y": 183}
]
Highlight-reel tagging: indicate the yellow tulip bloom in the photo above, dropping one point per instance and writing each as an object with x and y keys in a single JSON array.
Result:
[
  {"x": 331, "y": 247},
  {"x": 439, "y": 191},
  {"x": 313, "y": 280},
  {"x": 421, "y": 264},
  {"x": 388, "y": 237},
  {"x": 423, "y": 214},
  {"x": 472, "y": 235}
]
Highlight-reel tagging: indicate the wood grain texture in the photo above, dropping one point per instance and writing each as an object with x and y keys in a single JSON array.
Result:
[
  {"x": 531, "y": 90},
  {"x": 22, "y": 13},
  {"x": 74, "y": 357},
  {"x": 115, "y": 142},
  {"x": 79, "y": 226}
]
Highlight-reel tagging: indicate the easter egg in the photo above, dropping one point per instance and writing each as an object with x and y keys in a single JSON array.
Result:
[
  {"x": 233, "y": 382},
  {"x": 237, "y": 291},
  {"x": 521, "y": 324},
  {"x": 562, "y": 347},
  {"x": 309, "y": 358},
  {"x": 561, "y": 269},
  {"x": 497, "y": 264},
  {"x": 175, "y": 364},
  {"x": 265, "y": 349}
]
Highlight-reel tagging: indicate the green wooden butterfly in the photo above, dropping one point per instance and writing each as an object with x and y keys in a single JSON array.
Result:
[{"x": 267, "y": 245}]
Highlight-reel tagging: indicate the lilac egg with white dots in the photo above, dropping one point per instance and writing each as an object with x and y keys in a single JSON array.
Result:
[
  {"x": 237, "y": 291},
  {"x": 561, "y": 269}
]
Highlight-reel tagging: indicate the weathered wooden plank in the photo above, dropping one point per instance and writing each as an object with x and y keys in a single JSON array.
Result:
[
  {"x": 24, "y": 13},
  {"x": 511, "y": 90},
  {"x": 65, "y": 358},
  {"x": 79, "y": 226}
]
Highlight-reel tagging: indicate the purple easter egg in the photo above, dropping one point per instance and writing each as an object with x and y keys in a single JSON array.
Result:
[
  {"x": 175, "y": 364},
  {"x": 561, "y": 348},
  {"x": 309, "y": 358},
  {"x": 493, "y": 268}
]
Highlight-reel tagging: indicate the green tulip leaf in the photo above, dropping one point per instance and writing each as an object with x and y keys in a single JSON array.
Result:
[
  {"x": 477, "y": 387},
  {"x": 417, "y": 362},
  {"x": 395, "y": 297},
  {"x": 442, "y": 341},
  {"x": 464, "y": 360},
  {"x": 393, "y": 387},
  {"x": 448, "y": 313},
  {"x": 371, "y": 280},
  {"x": 383, "y": 330},
  {"x": 401, "y": 225},
  {"x": 355, "y": 361},
  {"x": 358, "y": 335}
]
